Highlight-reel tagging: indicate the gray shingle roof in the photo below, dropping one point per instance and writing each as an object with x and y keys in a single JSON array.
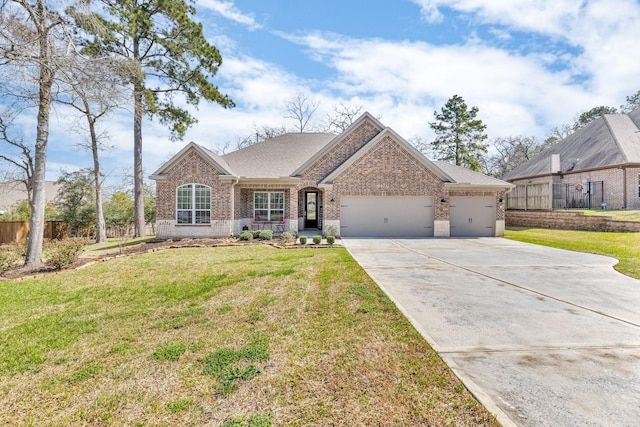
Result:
[
  {"x": 276, "y": 157},
  {"x": 610, "y": 140},
  {"x": 461, "y": 175}
]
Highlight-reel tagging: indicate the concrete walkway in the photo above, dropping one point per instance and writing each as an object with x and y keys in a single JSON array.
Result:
[{"x": 541, "y": 336}]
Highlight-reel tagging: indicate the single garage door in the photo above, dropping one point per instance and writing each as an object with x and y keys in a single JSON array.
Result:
[
  {"x": 472, "y": 216},
  {"x": 386, "y": 216}
]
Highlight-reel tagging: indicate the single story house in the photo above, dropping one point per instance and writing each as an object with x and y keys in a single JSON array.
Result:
[
  {"x": 597, "y": 166},
  {"x": 366, "y": 181}
]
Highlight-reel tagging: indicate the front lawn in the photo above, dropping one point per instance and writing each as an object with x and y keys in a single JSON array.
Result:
[
  {"x": 623, "y": 246},
  {"x": 227, "y": 336}
]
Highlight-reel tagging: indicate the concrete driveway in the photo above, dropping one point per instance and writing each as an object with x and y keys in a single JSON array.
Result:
[{"x": 541, "y": 336}]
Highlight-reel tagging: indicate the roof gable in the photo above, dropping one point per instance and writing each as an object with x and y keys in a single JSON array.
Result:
[
  {"x": 398, "y": 140},
  {"x": 610, "y": 140},
  {"x": 365, "y": 117},
  {"x": 213, "y": 159}
]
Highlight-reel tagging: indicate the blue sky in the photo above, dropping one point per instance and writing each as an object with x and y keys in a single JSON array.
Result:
[{"x": 528, "y": 65}]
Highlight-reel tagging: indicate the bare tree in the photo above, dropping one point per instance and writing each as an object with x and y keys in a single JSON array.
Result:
[
  {"x": 300, "y": 109},
  {"x": 34, "y": 45},
  {"x": 94, "y": 99},
  {"x": 558, "y": 133},
  {"x": 18, "y": 155},
  {"x": 341, "y": 117},
  {"x": 510, "y": 152}
]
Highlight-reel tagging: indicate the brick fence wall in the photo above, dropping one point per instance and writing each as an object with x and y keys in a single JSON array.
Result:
[{"x": 567, "y": 221}]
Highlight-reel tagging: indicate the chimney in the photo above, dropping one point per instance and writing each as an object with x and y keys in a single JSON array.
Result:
[{"x": 555, "y": 163}]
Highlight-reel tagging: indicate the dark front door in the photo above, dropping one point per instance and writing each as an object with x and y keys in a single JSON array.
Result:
[{"x": 311, "y": 209}]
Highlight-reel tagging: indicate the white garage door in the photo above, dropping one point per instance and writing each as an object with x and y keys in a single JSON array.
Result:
[
  {"x": 386, "y": 216},
  {"x": 472, "y": 216}
]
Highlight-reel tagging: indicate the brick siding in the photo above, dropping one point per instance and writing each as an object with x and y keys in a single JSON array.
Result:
[
  {"x": 193, "y": 169},
  {"x": 386, "y": 170}
]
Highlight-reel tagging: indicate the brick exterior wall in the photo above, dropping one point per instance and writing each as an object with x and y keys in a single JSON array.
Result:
[
  {"x": 338, "y": 154},
  {"x": 193, "y": 169},
  {"x": 568, "y": 221},
  {"x": 633, "y": 188},
  {"x": 386, "y": 170},
  {"x": 620, "y": 184},
  {"x": 613, "y": 184}
]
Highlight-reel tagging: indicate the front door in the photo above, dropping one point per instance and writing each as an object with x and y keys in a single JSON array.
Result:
[{"x": 311, "y": 209}]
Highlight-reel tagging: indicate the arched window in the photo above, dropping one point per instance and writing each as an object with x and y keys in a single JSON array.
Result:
[{"x": 193, "y": 205}]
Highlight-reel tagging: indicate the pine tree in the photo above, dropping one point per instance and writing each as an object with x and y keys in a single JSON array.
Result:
[{"x": 459, "y": 134}]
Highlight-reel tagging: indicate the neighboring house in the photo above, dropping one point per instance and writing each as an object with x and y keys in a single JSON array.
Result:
[
  {"x": 597, "y": 166},
  {"x": 12, "y": 192},
  {"x": 367, "y": 181}
]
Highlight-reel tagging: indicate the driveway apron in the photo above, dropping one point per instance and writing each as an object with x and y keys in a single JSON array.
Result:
[{"x": 541, "y": 336}]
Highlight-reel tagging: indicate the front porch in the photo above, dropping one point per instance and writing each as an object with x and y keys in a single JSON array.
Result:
[{"x": 278, "y": 209}]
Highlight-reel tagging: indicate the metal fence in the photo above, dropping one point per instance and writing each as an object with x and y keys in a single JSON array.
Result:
[{"x": 583, "y": 195}]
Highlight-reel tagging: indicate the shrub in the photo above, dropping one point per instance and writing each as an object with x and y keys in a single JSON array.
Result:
[
  {"x": 61, "y": 253},
  {"x": 331, "y": 240},
  {"x": 246, "y": 235},
  {"x": 303, "y": 240},
  {"x": 289, "y": 235},
  {"x": 256, "y": 233},
  {"x": 266, "y": 235},
  {"x": 330, "y": 230},
  {"x": 10, "y": 257},
  {"x": 317, "y": 240}
]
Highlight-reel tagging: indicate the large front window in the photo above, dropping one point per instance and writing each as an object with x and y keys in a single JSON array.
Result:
[
  {"x": 193, "y": 204},
  {"x": 268, "y": 206}
]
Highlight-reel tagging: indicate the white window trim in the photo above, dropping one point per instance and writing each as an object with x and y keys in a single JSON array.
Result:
[
  {"x": 269, "y": 207},
  {"x": 193, "y": 209}
]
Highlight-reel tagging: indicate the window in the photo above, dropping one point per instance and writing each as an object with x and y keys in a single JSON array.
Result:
[
  {"x": 268, "y": 206},
  {"x": 193, "y": 204}
]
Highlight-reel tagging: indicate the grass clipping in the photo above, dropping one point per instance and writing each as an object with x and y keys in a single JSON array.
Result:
[{"x": 227, "y": 336}]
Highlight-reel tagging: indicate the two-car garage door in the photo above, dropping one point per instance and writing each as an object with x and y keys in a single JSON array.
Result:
[
  {"x": 413, "y": 216},
  {"x": 386, "y": 216}
]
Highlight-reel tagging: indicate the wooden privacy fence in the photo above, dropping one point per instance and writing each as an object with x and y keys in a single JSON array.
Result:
[
  {"x": 11, "y": 231},
  {"x": 530, "y": 196}
]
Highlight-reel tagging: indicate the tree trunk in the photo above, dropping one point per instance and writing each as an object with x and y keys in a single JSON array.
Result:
[
  {"x": 37, "y": 202},
  {"x": 101, "y": 228},
  {"x": 138, "y": 179}
]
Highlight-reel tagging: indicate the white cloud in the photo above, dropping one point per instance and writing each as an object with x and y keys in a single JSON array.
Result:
[{"x": 229, "y": 10}]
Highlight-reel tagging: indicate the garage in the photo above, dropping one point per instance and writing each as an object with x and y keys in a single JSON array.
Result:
[
  {"x": 386, "y": 216},
  {"x": 472, "y": 216}
]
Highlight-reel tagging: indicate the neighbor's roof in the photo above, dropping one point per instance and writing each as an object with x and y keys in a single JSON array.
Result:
[
  {"x": 610, "y": 140},
  {"x": 12, "y": 192},
  {"x": 276, "y": 157},
  {"x": 462, "y": 176}
]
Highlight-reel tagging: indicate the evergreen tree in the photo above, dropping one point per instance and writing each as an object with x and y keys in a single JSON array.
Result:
[
  {"x": 166, "y": 54},
  {"x": 459, "y": 134}
]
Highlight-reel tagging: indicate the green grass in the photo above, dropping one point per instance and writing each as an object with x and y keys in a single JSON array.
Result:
[
  {"x": 245, "y": 335},
  {"x": 616, "y": 214},
  {"x": 623, "y": 246}
]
